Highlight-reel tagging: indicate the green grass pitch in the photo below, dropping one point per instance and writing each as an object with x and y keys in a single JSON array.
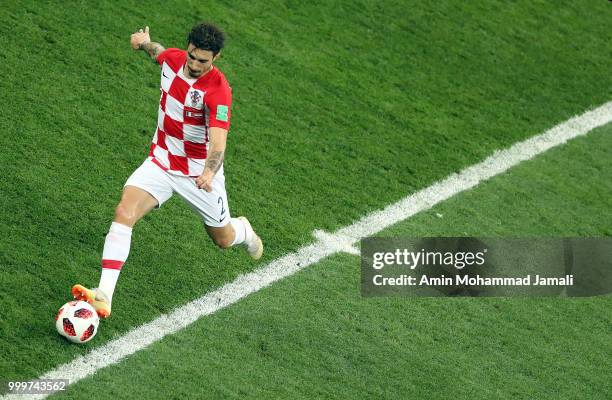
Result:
[{"x": 340, "y": 108}]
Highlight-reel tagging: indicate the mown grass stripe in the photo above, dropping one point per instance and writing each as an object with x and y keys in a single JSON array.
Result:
[{"x": 496, "y": 164}]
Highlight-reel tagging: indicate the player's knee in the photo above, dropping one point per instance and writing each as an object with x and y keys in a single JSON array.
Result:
[
  {"x": 125, "y": 215},
  {"x": 222, "y": 242}
]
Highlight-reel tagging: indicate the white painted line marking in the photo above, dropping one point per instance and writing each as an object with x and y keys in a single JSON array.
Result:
[
  {"x": 327, "y": 244},
  {"x": 341, "y": 243}
]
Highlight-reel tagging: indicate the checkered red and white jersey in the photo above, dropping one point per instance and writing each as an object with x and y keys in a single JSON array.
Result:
[{"x": 187, "y": 109}]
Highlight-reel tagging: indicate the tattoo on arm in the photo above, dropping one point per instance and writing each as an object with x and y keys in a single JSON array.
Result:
[
  {"x": 153, "y": 49},
  {"x": 214, "y": 160}
]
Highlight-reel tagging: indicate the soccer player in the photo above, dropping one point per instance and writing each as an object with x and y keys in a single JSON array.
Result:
[{"x": 186, "y": 156}]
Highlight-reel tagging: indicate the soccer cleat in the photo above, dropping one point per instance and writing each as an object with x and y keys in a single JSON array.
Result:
[
  {"x": 254, "y": 246},
  {"x": 95, "y": 297}
]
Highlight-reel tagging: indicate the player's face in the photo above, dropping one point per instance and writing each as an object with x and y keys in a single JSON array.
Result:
[{"x": 198, "y": 62}]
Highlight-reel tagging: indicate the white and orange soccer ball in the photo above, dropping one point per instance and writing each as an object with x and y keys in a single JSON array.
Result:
[{"x": 77, "y": 321}]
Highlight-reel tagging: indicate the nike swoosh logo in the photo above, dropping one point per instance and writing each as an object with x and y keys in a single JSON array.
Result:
[
  {"x": 164, "y": 75},
  {"x": 221, "y": 220}
]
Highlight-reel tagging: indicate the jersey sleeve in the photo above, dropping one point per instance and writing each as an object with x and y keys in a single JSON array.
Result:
[
  {"x": 171, "y": 56},
  {"x": 219, "y": 104}
]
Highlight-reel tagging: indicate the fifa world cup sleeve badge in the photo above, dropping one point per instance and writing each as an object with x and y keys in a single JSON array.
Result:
[{"x": 222, "y": 113}]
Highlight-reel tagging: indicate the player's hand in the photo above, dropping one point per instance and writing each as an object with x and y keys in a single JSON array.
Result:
[
  {"x": 139, "y": 38},
  {"x": 204, "y": 181}
]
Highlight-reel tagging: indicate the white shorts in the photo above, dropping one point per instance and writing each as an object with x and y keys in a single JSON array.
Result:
[{"x": 161, "y": 185}]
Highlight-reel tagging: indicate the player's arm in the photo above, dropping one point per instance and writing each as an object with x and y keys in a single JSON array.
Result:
[
  {"x": 214, "y": 158},
  {"x": 142, "y": 41}
]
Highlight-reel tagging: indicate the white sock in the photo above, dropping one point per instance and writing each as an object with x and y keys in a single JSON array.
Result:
[
  {"x": 114, "y": 255},
  {"x": 242, "y": 231},
  {"x": 108, "y": 280}
]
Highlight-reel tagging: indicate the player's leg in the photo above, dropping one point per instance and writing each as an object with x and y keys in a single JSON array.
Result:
[
  {"x": 135, "y": 203},
  {"x": 237, "y": 232},
  {"x": 146, "y": 189},
  {"x": 222, "y": 236},
  {"x": 224, "y": 230}
]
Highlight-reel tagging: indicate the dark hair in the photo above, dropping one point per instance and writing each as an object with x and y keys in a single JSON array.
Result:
[{"x": 206, "y": 36}]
